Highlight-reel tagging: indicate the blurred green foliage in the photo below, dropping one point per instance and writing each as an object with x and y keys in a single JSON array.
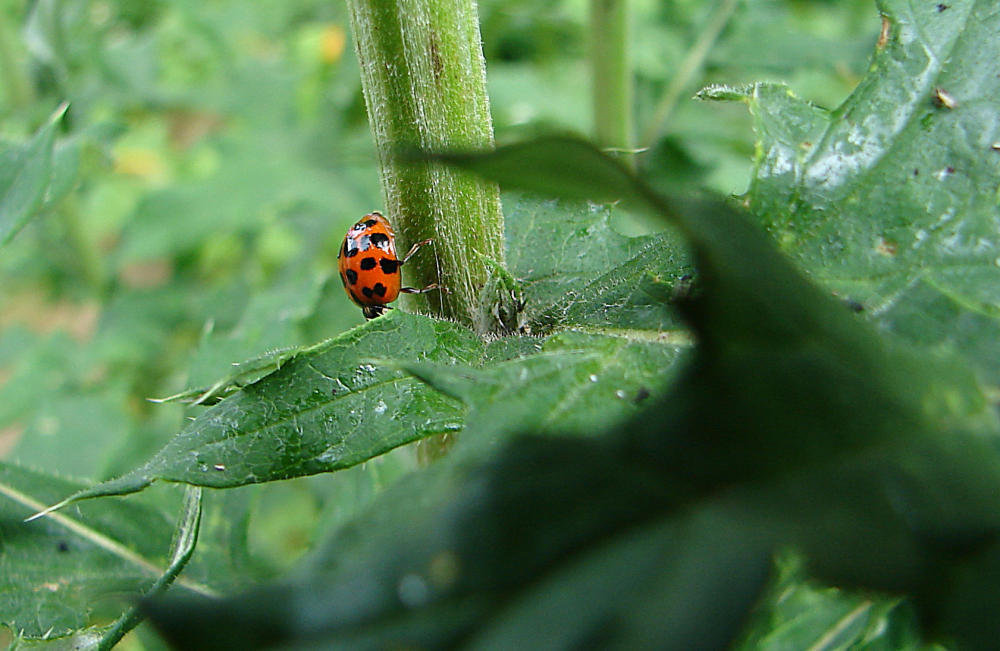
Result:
[{"x": 211, "y": 157}]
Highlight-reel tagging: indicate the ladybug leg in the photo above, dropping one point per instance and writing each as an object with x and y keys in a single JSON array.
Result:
[
  {"x": 429, "y": 288},
  {"x": 413, "y": 249}
]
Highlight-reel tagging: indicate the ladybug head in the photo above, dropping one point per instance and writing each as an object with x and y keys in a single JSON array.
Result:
[
  {"x": 371, "y": 220},
  {"x": 372, "y": 311}
]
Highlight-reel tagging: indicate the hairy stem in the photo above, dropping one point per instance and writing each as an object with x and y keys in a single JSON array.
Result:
[{"x": 423, "y": 75}]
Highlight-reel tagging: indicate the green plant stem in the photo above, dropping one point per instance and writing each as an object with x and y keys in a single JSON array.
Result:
[
  {"x": 185, "y": 541},
  {"x": 612, "y": 74},
  {"x": 689, "y": 67},
  {"x": 423, "y": 76}
]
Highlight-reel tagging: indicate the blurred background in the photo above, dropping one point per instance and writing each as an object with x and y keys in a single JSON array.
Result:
[{"x": 215, "y": 151}]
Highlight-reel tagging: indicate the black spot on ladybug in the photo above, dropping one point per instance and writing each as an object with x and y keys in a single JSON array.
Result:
[
  {"x": 350, "y": 248},
  {"x": 379, "y": 289},
  {"x": 389, "y": 265},
  {"x": 352, "y": 276},
  {"x": 368, "y": 263},
  {"x": 381, "y": 240},
  {"x": 370, "y": 223},
  {"x": 367, "y": 291},
  {"x": 63, "y": 546}
]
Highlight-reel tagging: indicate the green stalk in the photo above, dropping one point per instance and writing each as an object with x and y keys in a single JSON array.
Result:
[
  {"x": 423, "y": 76},
  {"x": 612, "y": 73}
]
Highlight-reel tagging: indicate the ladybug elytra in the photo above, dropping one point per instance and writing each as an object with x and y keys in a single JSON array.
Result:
[{"x": 369, "y": 267}]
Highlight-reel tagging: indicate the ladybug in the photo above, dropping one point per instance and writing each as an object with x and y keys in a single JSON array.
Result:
[{"x": 369, "y": 267}]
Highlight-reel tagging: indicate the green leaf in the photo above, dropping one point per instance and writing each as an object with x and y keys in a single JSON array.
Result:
[
  {"x": 795, "y": 424},
  {"x": 551, "y": 166},
  {"x": 577, "y": 271},
  {"x": 25, "y": 174},
  {"x": 327, "y": 408},
  {"x": 574, "y": 383},
  {"x": 800, "y": 614},
  {"x": 78, "y": 567},
  {"x": 243, "y": 373},
  {"x": 891, "y": 199}
]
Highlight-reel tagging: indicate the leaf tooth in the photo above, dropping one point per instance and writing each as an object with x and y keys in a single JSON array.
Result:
[{"x": 50, "y": 509}]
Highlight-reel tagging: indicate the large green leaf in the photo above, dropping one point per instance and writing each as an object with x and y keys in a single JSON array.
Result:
[
  {"x": 25, "y": 174},
  {"x": 794, "y": 424},
  {"x": 78, "y": 567},
  {"x": 891, "y": 199},
  {"x": 328, "y": 407}
]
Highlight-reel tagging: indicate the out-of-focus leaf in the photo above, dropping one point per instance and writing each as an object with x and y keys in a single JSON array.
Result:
[
  {"x": 47, "y": 404},
  {"x": 92, "y": 424},
  {"x": 260, "y": 177},
  {"x": 260, "y": 342},
  {"x": 25, "y": 174},
  {"x": 325, "y": 409},
  {"x": 75, "y": 568},
  {"x": 577, "y": 271},
  {"x": 891, "y": 199}
]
